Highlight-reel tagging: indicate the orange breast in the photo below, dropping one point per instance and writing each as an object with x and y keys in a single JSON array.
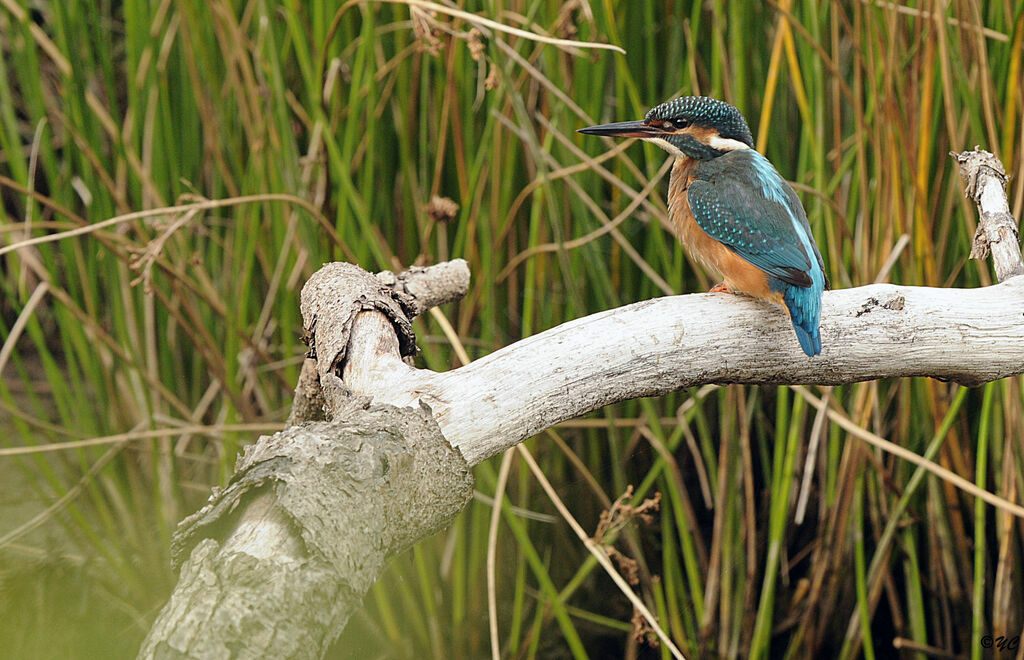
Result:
[{"x": 739, "y": 274}]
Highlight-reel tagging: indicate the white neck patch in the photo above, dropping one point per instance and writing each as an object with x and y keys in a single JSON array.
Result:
[
  {"x": 716, "y": 142},
  {"x": 726, "y": 144},
  {"x": 667, "y": 146}
]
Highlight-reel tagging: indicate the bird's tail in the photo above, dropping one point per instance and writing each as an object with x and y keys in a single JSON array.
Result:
[{"x": 804, "y": 305}]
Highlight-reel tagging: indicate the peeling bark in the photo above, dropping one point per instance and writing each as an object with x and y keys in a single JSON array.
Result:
[
  {"x": 985, "y": 182},
  {"x": 277, "y": 560},
  {"x": 275, "y": 563}
]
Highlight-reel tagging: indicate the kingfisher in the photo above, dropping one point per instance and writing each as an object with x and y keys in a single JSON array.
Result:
[{"x": 732, "y": 210}]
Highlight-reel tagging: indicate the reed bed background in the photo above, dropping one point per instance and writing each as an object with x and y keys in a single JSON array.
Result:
[{"x": 235, "y": 146}]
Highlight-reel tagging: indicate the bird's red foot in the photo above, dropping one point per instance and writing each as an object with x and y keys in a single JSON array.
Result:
[{"x": 719, "y": 288}]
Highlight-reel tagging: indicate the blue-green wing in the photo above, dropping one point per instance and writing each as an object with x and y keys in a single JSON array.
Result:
[{"x": 740, "y": 200}]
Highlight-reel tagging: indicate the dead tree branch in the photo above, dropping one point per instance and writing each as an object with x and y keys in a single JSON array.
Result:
[
  {"x": 274, "y": 564},
  {"x": 276, "y": 561},
  {"x": 985, "y": 182},
  {"x": 649, "y": 348}
]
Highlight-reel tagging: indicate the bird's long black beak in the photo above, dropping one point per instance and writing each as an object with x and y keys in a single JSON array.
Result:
[{"x": 625, "y": 129}]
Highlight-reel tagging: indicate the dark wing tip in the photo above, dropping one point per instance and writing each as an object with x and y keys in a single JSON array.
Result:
[{"x": 797, "y": 277}]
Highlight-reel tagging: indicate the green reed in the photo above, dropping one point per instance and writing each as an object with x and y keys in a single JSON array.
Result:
[{"x": 354, "y": 117}]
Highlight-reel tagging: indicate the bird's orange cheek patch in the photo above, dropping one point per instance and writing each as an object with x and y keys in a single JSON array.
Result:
[{"x": 702, "y": 134}]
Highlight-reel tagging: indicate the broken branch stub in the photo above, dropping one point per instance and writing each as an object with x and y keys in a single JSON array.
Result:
[
  {"x": 337, "y": 294},
  {"x": 432, "y": 286},
  {"x": 985, "y": 182},
  {"x": 276, "y": 562},
  {"x": 332, "y": 298}
]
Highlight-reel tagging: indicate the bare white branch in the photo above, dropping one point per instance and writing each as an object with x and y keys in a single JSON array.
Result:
[
  {"x": 971, "y": 336},
  {"x": 985, "y": 183}
]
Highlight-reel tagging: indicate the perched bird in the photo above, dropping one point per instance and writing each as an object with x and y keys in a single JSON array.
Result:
[{"x": 732, "y": 209}]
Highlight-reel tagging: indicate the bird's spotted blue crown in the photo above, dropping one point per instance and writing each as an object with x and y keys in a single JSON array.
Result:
[{"x": 705, "y": 111}]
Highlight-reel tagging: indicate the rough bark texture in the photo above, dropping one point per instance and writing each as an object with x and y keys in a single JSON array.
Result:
[
  {"x": 332, "y": 298},
  {"x": 274, "y": 564},
  {"x": 308, "y": 404},
  {"x": 985, "y": 182},
  {"x": 432, "y": 286}
]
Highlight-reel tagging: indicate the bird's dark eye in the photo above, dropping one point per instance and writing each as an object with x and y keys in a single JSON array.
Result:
[{"x": 680, "y": 123}]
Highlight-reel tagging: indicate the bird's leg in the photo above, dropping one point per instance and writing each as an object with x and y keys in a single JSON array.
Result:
[{"x": 720, "y": 288}]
